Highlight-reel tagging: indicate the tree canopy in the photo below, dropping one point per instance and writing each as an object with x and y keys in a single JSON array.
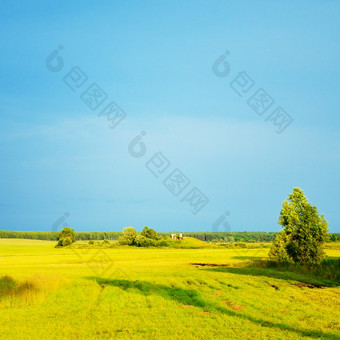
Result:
[
  {"x": 67, "y": 232},
  {"x": 66, "y": 237},
  {"x": 149, "y": 233},
  {"x": 304, "y": 232},
  {"x": 129, "y": 236}
]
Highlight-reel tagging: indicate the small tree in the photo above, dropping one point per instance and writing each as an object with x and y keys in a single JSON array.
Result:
[
  {"x": 304, "y": 233},
  {"x": 129, "y": 236},
  {"x": 149, "y": 233},
  {"x": 66, "y": 237},
  {"x": 67, "y": 232}
]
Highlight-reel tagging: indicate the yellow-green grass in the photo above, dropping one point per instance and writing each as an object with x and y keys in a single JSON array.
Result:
[{"x": 158, "y": 293}]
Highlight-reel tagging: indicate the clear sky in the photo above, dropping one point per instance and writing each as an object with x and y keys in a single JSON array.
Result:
[{"x": 155, "y": 59}]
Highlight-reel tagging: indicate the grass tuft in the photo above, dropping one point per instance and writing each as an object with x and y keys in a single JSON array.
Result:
[{"x": 10, "y": 287}]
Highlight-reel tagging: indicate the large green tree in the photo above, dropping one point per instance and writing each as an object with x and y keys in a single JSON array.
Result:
[
  {"x": 129, "y": 236},
  {"x": 149, "y": 233},
  {"x": 304, "y": 232}
]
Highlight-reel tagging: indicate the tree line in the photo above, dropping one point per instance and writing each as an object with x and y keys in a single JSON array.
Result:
[{"x": 218, "y": 237}]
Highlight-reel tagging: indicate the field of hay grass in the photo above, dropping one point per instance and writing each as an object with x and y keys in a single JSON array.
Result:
[{"x": 160, "y": 293}]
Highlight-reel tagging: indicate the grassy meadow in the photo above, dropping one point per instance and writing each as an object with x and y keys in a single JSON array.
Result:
[{"x": 160, "y": 293}]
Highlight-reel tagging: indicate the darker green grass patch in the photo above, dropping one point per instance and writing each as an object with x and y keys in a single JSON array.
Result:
[
  {"x": 328, "y": 271},
  {"x": 184, "y": 296},
  {"x": 7, "y": 285},
  {"x": 188, "y": 297},
  {"x": 10, "y": 287},
  {"x": 247, "y": 257},
  {"x": 325, "y": 275}
]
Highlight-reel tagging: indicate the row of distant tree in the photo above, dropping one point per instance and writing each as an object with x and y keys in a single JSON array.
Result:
[
  {"x": 300, "y": 242},
  {"x": 114, "y": 235}
]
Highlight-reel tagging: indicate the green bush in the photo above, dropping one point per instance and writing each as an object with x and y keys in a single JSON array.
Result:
[
  {"x": 67, "y": 232},
  {"x": 66, "y": 241},
  {"x": 162, "y": 243},
  {"x": 142, "y": 241},
  {"x": 149, "y": 233},
  {"x": 129, "y": 236},
  {"x": 106, "y": 241},
  {"x": 91, "y": 242},
  {"x": 60, "y": 243}
]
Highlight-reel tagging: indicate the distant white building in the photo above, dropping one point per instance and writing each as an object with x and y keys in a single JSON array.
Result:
[{"x": 175, "y": 237}]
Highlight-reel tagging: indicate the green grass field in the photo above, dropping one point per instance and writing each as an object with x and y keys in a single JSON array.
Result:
[{"x": 158, "y": 293}]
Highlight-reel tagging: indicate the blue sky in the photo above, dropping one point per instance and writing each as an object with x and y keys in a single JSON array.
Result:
[{"x": 154, "y": 59}]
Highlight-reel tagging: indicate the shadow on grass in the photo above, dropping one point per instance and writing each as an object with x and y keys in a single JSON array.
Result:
[
  {"x": 275, "y": 274},
  {"x": 327, "y": 275},
  {"x": 194, "y": 298},
  {"x": 247, "y": 257}
]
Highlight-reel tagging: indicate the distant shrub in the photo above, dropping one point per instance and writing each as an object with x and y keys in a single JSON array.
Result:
[
  {"x": 162, "y": 243},
  {"x": 91, "y": 242},
  {"x": 142, "y": 241},
  {"x": 66, "y": 237},
  {"x": 106, "y": 241},
  {"x": 149, "y": 233},
  {"x": 123, "y": 242},
  {"x": 60, "y": 243},
  {"x": 129, "y": 236},
  {"x": 66, "y": 241},
  {"x": 67, "y": 232}
]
